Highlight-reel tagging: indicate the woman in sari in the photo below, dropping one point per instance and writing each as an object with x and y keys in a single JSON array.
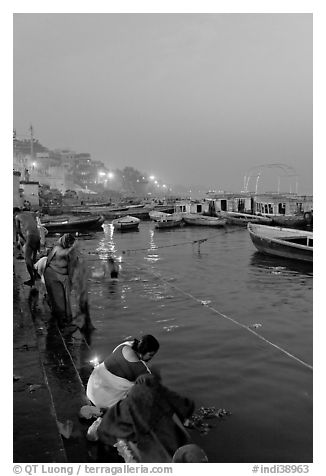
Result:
[
  {"x": 111, "y": 380},
  {"x": 60, "y": 266}
]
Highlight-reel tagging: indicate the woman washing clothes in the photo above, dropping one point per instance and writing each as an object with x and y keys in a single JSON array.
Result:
[
  {"x": 111, "y": 380},
  {"x": 60, "y": 266}
]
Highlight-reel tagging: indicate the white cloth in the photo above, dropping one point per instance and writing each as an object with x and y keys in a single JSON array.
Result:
[
  {"x": 105, "y": 389},
  {"x": 42, "y": 230},
  {"x": 40, "y": 267}
]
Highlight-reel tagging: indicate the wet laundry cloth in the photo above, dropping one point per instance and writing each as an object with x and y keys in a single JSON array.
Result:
[{"x": 149, "y": 416}]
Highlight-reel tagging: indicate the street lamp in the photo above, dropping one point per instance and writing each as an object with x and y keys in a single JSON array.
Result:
[{"x": 100, "y": 178}]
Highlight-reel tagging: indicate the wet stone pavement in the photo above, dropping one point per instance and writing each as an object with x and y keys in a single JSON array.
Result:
[{"x": 47, "y": 388}]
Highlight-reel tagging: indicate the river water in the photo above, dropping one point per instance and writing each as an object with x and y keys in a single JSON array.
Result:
[{"x": 235, "y": 329}]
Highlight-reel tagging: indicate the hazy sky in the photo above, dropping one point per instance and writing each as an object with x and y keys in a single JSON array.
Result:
[{"x": 191, "y": 98}]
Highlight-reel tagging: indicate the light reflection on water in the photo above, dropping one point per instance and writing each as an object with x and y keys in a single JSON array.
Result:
[{"x": 169, "y": 286}]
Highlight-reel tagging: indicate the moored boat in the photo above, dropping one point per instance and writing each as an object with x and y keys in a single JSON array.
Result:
[
  {"x": 284, "y": 242},
  {"x": 242, "y": 219},
  {"x": 160, "y": 208},
  {"x": 292, "y": 221},
  {"x": 126, "y": 223},
  {"x": 203, "y": 220},
  {"x": 71, "y": 225},
  {"x": 168, "y": 221},
  {"x": 157, "y": 215}
]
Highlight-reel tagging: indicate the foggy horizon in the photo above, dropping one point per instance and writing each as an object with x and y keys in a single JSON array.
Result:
[{"x": 194, "y": 99}]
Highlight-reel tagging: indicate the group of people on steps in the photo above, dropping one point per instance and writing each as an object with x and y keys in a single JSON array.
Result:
[{"x": 134, "y": 405}]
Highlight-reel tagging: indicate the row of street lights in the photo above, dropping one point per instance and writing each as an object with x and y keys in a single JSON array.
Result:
[
  {"x": 110, "y": 176},
  {"x": 152, "y": 178}
]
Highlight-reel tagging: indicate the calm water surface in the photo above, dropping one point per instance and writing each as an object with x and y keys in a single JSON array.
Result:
[{"x": 199, "y": 298}]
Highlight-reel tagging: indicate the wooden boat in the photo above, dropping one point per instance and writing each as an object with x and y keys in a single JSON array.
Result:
[
  {"x": 168, "y": 221},
  {"x": 139, "y": 205},
  {"x": 126, "y": 223},
  {"x": 96, "y": 204},
  {"x": 242, "y": 219},
  {"x": 283, "y": 242},
  {"x": 203, "y": 220},
  {"x": 160, "y": 208},
  {"x": 157, "y": 215},
  {"x": 290, "y": 221},
  {"x": 113, "y": 213},
  {"x": 70, "y": 225},
  {"x": 102, "y": 209}
]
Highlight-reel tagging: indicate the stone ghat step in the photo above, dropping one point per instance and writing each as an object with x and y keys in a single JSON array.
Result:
[
  {"x": 35, "y": 434},
  {"x": 60, "y": 360}
]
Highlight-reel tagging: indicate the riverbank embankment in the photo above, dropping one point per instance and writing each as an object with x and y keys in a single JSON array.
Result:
[{"x": 48, "y": 391}]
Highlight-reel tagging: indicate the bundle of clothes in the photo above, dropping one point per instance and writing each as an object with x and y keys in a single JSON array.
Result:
[{"x": 148, "y": 425}]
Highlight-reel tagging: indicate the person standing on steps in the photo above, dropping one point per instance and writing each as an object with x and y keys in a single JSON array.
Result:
[
  {"x": 28, "y": 237},
  {"x": 59, "y": 270}
]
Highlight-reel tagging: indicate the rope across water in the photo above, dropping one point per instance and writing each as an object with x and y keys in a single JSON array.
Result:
[
  {"x": 224, "y": 316},
  {"x": 201, "y": 302}
]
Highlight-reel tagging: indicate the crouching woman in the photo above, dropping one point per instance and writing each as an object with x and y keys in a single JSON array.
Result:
[{"x": 112, "y": 379}]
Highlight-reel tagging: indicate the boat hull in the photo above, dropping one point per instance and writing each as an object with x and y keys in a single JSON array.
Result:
[
  {"x": 126, "y": 226},
  {"x": 204, "y": 221},
  {"x": 75, "y": 226},
  {"x": 288, "y": 221},
  {"x": 126, "y": 223},
  {"x": 242, "y": 219},
  {"x": 164, "y": 224},
  {"x": 157, "y": 216},
  {"x": 277, "y": 244}
]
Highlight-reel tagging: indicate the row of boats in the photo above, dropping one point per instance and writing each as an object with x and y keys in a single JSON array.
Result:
[
  {"x": 129, "y": 222},
  {"x": 166, "y": 220},
  {"x": 285, "y": 242},
  {"x": 276, "y": 241},
  {"x": 163, "y": 220}
]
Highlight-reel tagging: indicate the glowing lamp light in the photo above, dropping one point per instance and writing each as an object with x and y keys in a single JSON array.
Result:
[
  {"x": 152, "y": 177},
  {"x": 110, "y": 175},
  {"x": 101, "y": 174},
  {"x": 95, "y": 362}
]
